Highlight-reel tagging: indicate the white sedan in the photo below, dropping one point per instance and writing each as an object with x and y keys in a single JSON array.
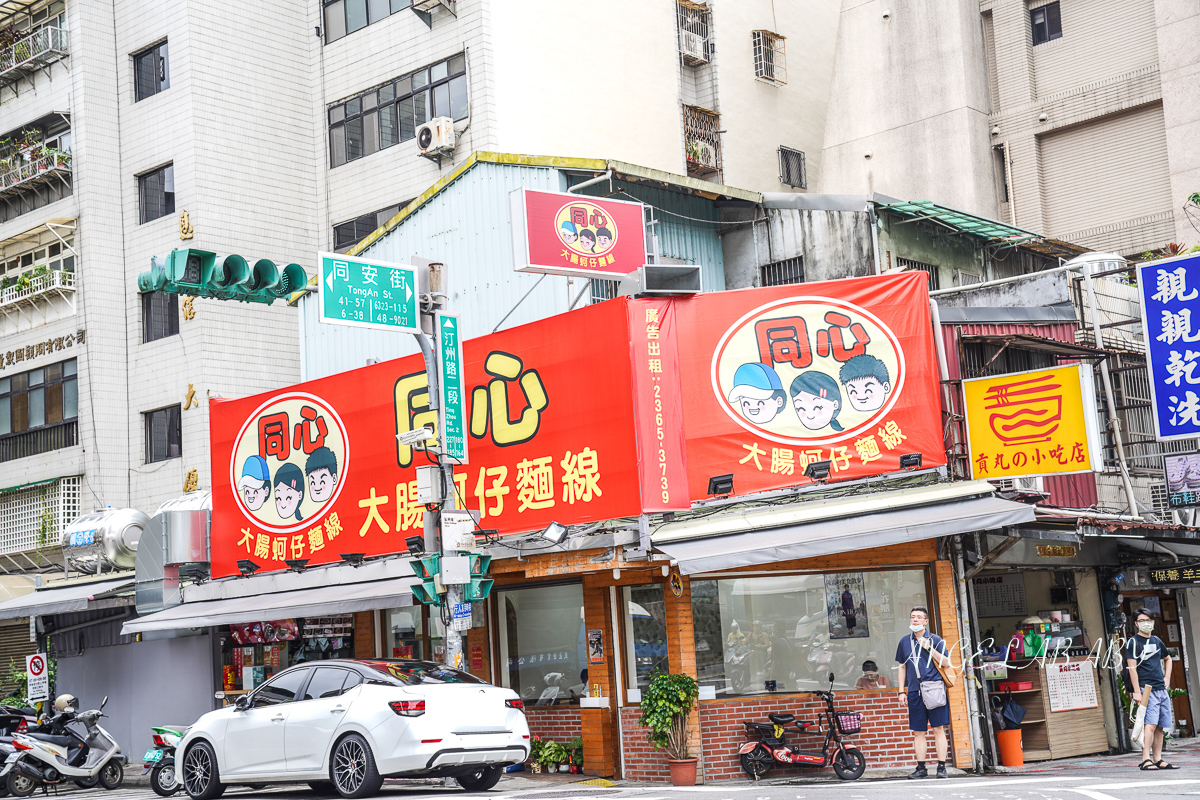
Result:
[{"x": 345, "y": 725}]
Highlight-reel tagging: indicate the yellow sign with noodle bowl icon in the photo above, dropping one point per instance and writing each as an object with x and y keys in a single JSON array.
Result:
[{"x": 1040, "y": 422}]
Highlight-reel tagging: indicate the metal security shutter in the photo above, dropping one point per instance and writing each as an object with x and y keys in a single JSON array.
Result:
[
  {"x": 14, "y": 646},
  {"x": 1104, "y": 172}
]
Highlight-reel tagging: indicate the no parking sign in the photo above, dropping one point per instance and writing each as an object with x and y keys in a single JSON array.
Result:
[{"x": 38, "y": 676}]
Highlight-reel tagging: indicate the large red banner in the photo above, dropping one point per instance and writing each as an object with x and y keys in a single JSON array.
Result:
[
  {"x": 315, "y": 470},
  {"x": 775, "y": 379},
  {"x": 621, "y": 408}
]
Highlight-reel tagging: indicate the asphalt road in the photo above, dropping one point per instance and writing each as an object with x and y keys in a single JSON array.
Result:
[{"x": 1091, "y": 778}]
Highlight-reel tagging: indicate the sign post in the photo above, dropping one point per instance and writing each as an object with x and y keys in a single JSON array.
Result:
[
  {"x": 453, "y": 414},
  {"x": 37, "y": 674},
  {"x": 368, "y": 293}
]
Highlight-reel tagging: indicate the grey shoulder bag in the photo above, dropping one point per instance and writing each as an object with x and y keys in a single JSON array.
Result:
[{"x": 933, "y": 694}]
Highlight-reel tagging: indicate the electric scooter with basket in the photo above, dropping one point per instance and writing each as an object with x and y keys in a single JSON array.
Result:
[{"x": 758, "y": 756}]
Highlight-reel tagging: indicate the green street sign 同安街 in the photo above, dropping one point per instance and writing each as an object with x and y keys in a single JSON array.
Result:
[
  {"x": 368, "y": 293},
  {"x": 450, "y": 374}
]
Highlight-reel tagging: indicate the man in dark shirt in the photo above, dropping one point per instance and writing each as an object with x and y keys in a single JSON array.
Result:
[
  {"x": 916, "y": 654},
  {"x": 1150, "y": 673}
]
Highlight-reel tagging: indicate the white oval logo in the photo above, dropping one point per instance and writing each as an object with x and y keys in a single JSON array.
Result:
[{"x": 808, "y": 370}]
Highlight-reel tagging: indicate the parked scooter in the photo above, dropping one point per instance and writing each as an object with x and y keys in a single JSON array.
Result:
[
  {"x": 51, "y": 758},
  {"x": 159, "y": 761}
]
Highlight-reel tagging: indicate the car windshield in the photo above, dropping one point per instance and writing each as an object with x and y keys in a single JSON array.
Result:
[{"x": 413, "y": 673}]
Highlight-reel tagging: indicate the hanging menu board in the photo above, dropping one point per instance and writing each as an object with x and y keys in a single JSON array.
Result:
[
  {"x": 1071, "y": 686},
  {"x": 1000, "y": 595}
]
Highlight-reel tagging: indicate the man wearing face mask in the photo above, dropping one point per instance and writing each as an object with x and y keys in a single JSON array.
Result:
[
  {"x": 1150, "y": 673},
  {"x": 916, "y": 655}
]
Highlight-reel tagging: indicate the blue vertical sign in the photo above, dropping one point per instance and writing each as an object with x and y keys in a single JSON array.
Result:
[
  {"x": 1170, "y": 291},
  {"x": 453, "y": 420}
]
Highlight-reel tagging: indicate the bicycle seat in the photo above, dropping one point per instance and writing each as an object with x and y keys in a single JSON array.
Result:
[{"x": 781, "y": 719}]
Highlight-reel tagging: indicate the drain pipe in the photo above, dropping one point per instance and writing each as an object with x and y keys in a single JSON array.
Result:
[
  {"x": 607, "y": 176},
  {"x": 964, "y": 634}
]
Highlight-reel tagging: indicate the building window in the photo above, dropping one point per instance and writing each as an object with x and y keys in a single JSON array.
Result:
[
  {"x": 644, "y": 609},
  {"x": 783, "y": 273},
  {"x": 791, "y": 168},
  {"x": 36, "y": 408},
  {"x": 770, "y": 61},
  {"x": 160, "y": 316},
  {"x": 542, "y": 646},
  {"x": 390, "y": 114},
  {"x": 692, "y": 25},
  {"x": 604, "y": 289},
  {"x": 349, "y": 233},
  {"x": 758, "y": 635},
  {"x": 702, "y": 140},
  {"x": 929, "y": 269},
  {"x": 1046, "y": 22},
  {"x": 347, "y": 16},
  {"x": 412, "y": 632},
  {"x": 151, "y": 75},
  {"x": 164, "y": 438},
  {"x": 156, "y": 193}
]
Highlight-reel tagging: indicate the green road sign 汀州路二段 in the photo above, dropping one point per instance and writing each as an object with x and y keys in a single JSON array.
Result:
[
  {"x": 368, "y": 293},
  {"x": 450, "y": 374}
]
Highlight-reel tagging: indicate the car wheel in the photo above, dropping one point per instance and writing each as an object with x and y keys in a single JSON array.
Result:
[
  {"x": 322, "y": 787},
  {"x": 20, "y": 784},
  {"x": 163, "y": 780},
  {"x": 353, "y": 768},
  {"x": 481, "y": 781},
  {"x": 112, "y": 775},
  {"x": 201, "y": 778}
]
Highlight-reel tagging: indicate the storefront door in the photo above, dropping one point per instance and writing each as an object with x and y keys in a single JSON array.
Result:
[{"x": 1163, "y": 606}]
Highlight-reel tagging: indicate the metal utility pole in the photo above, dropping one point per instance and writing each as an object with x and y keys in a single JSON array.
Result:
[{"x": 454, "y": 592}]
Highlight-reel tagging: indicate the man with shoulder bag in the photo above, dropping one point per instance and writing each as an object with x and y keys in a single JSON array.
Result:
[
  {"x": 922, "y": 657},
  {"x": 1149, "y": 666}
]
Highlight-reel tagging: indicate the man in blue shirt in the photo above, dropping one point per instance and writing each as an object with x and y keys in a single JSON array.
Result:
[
  {"x": 1146, "y": 656},
  {"x": 915, "y": 655}
]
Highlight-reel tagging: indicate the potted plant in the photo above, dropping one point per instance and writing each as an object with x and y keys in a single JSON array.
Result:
[
  {"x": 553, "y": 754},
  {"x": 575, "y": 759},
  {"x": 535, "y": 754},
  {"x": 667, "y": 704}
]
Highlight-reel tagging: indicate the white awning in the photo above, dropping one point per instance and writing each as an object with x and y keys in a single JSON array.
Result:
[
  {"x": 843, "y": 534},
  {"x": 72, "y": 597},
  {"x": 315, "y": 602}
]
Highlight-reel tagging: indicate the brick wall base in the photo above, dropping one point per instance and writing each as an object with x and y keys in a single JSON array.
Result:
[
  {"x": 885, "y": 740},
  {"x": 560, "y": 723}
]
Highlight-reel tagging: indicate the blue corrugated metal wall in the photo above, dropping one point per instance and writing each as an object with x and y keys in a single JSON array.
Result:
[{"x": 468, "y": 228}]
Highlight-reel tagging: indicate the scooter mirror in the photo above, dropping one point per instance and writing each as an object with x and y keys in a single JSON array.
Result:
[
  {"x": 104, "y": 702},
  {"x": 831, "y": 676}
]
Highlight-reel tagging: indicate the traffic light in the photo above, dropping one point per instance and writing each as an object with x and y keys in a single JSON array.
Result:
[
  {"x": 427, "y": 568},
  {"x": 199, "y": 273},
  {"x": 480, "y": 586}
]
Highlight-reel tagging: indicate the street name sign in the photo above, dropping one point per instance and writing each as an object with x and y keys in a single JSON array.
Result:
[
  {"x": 450, "y": 375},
  {"x": 367, "y": 293}
]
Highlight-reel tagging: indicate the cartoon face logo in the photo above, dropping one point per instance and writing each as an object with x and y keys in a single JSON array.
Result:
[
  {"x": 293, "y": 450},
  {"x": 586, "y": 228},
  {"x": 808, "y": 370}
]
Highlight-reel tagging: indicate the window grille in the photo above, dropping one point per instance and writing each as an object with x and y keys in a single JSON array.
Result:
[
  {"x": 930, "y": 269},
  {"x": 702, "y": 139},
  {"x": 783, "y": 273},
  {"x": 1158, "y": 499},
  {"x": 770, "y": 60},
  {"x": 22, "y": 513},
  {"x": 791, "y": 168},
  {"x": 692, "y": 23},
  {"x": 603, "y": 289}
]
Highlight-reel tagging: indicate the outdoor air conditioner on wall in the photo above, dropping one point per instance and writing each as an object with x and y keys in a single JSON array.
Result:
[
  {"x": 694, "y": 48},
  {"x": 436, "y": 137}
]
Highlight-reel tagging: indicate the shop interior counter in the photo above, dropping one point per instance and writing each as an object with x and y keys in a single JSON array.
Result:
[{"x": 1063, "y": 716}]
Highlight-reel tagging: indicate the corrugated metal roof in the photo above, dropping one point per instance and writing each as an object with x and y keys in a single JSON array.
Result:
[{"x": 961, "y": 221}]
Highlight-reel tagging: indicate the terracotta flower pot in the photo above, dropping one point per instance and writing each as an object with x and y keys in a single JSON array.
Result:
[{"x": 683, "y": 771}]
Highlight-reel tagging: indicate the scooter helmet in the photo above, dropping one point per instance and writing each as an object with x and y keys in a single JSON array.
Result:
[{"x": 63, "y": 702}]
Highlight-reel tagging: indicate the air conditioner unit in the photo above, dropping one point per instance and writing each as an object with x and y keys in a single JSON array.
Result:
[
  {"x": 436, "y": 137},
  {"x": 694, "y": 48},
  {"x": 661, "y": 280},
  {"x": 1021, "y": 486}
]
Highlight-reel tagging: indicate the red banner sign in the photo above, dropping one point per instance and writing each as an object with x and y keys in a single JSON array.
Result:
[
  {"x": 606, "y": 412},
  {"x": 775, "y": 379},
  {"x": 573, "y": 234}
]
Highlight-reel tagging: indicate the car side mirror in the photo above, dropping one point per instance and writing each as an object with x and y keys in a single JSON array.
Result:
[{"x": 242, "y": 703}]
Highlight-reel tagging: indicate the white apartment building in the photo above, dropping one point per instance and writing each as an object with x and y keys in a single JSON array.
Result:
[
  {"x": 126, "y": 127},
  {"x": 1073, "y": 118}
]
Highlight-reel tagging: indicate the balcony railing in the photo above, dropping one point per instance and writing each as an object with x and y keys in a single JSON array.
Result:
[
  {"x": 55, "y": 282},
  {"x": 702, "y": 139},
  {"x": 39, "y": 440},
  {"x": 54, "y": 166},
  {"x": 39, "y": 49}
]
